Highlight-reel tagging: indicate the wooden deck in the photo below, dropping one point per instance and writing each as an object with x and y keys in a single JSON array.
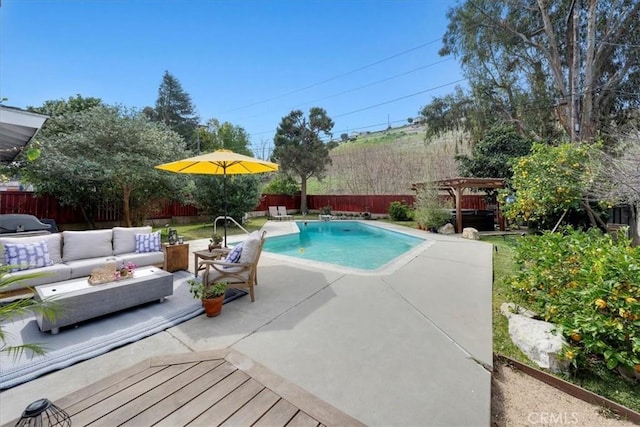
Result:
[{"x": 213, "y": 388}]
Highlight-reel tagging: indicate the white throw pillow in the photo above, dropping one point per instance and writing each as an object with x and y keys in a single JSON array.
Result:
[
  {"x": 124, "y": 238},
  {"x": 148, "y": 242},
  {"x": 25, "y": 256},
  {"x": 235, "y": 254}
]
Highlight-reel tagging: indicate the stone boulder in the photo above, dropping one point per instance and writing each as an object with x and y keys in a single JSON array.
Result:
[
  {"x": 470, "y": 233},
  {"x": 448, "y": 228},
  {"x": 539, "y": 340}
]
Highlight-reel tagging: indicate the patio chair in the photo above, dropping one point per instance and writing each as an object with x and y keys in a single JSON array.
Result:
[
  {"x": 282, "y": 211},
  {"x": 241, "y": 274},
  {"x": 273, "y": 213}
]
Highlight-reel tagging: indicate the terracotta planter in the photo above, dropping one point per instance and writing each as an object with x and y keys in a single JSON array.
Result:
[{"x": 213, "y": 306}]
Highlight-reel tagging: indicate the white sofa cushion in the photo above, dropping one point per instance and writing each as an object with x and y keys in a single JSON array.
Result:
[
  {"x": 124, "y": 238},
  {"x": 86, "y": 244},
  {"x": 54, "y": 244},
  {"x": 250, "y": 247},
  {"x": 141, "y": 260},
  {"x": 51, "y": 274}
]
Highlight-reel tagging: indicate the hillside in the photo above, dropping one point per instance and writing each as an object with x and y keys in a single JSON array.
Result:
[{"x": 389, "y": 161}]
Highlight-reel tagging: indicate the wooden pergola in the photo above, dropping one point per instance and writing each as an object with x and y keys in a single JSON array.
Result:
[{"x": 456, "y": 186}]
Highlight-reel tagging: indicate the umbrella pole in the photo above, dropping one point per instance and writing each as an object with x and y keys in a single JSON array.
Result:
[{"x": 224, "y": 197}]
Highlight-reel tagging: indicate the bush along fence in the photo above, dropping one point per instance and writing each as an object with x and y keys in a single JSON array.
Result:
[{"x": 26, "y": 202}]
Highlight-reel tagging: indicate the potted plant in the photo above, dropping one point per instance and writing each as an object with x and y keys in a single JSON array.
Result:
[
  {"x": 212, "y": 295},
  {"x": 215, "y": 241}
]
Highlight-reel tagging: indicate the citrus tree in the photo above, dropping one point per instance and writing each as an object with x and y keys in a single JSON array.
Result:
[
  {"x": 550, "y": 181},
  {"x": 586, "y": 283}
]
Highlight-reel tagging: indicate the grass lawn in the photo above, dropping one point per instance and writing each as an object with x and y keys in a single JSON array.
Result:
[
  {"x": 204, "y": 231},
  {"x": 597, "y": 378}
]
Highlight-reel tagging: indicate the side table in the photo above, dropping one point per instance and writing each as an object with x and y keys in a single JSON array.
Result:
[
  {"x": 176, "y": 257},
  {"x": 207, "y": 256}
]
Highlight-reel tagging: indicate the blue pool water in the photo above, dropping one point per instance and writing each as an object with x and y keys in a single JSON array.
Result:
[{"x": 345, "y": 243}]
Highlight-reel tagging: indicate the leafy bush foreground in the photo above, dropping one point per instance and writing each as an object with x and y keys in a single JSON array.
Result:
[{"x": 588, "y": 284}]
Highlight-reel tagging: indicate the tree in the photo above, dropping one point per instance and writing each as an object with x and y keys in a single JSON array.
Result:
[
  {"x": 299, "y": 149},
  {"x": 492, "y": 156},
  {"x": 109, "y": 156},
  {"x": 549, "y": 182},
  {"x": 216, "y": 135},
  {"x": 242, "y": 194},
  {"x": 174, "y": 108},
  {"x": 527, "y": 61},
  {"x": 618, "y": 180},
  {"x": 282, "y": 184}
]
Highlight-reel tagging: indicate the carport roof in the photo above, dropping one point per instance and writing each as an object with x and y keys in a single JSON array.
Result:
[{"x": 17, "y": 128}]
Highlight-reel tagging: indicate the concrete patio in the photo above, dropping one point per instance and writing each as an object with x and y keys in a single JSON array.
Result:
[{"x": 409, "y": 345}]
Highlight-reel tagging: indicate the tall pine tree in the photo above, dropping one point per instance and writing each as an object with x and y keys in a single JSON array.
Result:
[{"x": 174, "y": 108}]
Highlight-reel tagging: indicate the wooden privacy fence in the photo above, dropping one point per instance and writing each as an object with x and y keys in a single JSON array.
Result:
[{"x": 27, "y": 202}]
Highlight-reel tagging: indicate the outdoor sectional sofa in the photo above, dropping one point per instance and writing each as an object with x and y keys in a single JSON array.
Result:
[{"x": 73, "y": 254}]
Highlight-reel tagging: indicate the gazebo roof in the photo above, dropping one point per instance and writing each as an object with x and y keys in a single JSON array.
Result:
[
  {"x": 464, "y": 182},
  {"x": 17, "y": 128}
]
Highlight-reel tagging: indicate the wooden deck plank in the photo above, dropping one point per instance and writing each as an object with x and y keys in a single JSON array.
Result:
[
  {"x": 279, "y": 415},
  {"x": 150, "y": 397},
  {"x": 94, "y": 413},
  {"x": 94, "y": 395},
  {"x": 113, "y": 380},
  {"x": 297, "y": 396},
  {"x": 181, "y": 397},
  {"x": 303, "y": 420},
  {"x": 231, "y": 403},
  {"x": 189, "y": 388},
  {"x": 254, "y": 409},
  {"x": 204, "y": 401}
]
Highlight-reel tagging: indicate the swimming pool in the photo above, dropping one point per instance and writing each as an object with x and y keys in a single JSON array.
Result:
[{"x": 344, "y": 243}]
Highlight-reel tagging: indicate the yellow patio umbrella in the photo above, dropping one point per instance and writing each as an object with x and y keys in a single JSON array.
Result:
[{"x": 220, "y": 162}]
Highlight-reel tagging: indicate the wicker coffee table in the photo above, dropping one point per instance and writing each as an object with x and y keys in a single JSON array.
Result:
[{"x": 79, "y": 301}]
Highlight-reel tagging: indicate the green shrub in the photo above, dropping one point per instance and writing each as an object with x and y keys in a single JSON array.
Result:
[
  {"x": 589, "y": 285},
  {"x": 432, "y": 211},
  {"x": 400, "y": 211}
]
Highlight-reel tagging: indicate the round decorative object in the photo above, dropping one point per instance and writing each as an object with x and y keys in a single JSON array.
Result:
[{"x": 43, "y": 411}]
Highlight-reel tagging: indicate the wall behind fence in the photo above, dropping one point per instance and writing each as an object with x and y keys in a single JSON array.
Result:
[{"x": 26, "y": 202}]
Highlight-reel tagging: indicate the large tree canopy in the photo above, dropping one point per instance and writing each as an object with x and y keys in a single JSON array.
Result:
[
  {"x": 216, "y": 135},
  {"x": 107, "y": 154},
  {"x": 299, "y": 149},
  {"x": 544, "y": 64},
  {"x": 492, "y": 155},
  {"x": 174, "y": 108}
]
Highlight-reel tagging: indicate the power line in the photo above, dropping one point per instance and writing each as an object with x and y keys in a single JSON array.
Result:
[
  {"x": 379, "y": 104},
  {"x": 353, "y": 89},
  {"x": 333, "y": 78},
  {"x": 399, "y": 99},
  {"x": 377, "y": 82}
]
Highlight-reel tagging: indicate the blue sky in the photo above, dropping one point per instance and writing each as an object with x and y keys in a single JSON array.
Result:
[{"x": 246, "y": 62}]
